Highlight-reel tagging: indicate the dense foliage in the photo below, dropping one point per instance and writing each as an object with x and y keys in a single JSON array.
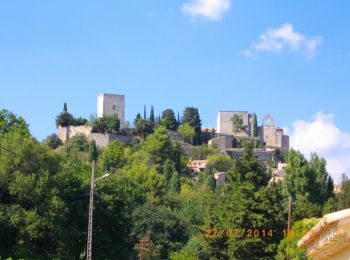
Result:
[
  {"x": 66, "y": 119},
  {"x": 237, "y": 124},
  {"x": 148, "y": 207},
  {"x": 106, "y": 124}
]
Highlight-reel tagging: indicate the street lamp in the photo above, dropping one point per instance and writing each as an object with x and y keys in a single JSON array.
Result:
[
  {"x": 91, "y": 208},
  {"x": 102, "y": 177}
]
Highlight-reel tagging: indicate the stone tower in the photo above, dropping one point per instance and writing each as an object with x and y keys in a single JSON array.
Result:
[
  {"x": 269, "y": 136},
  {"x": 109, "y": 104}
]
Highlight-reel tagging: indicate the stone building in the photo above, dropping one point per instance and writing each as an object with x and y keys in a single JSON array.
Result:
[
  {"x": 272, "y": 136},
  {"x": 219, "y": 178},
  {"x": 278, "y": 174},
  {"x": 224, "y": 123},
  {"x": 197, "y": 165},
  {"x": 109, "y": 104},
  {"x": 222, "y": 142},
  {"x": 268, "y": 134}
]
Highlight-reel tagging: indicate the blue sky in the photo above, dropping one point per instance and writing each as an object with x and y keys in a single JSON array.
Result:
[{"x": 287, "y": 58}]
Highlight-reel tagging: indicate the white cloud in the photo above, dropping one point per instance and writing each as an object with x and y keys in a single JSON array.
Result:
[
  {"x": 284, "y": 37},
  {"x": 322, "y": 136},
  {"x": 247, "y": 53},
  {"x": 209, "y": 9}
]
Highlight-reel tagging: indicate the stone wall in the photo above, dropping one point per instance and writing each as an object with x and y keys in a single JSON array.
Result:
[
  {"x": 69, "y": 132},
  {"x": 262, "y": 155},
  {"x": 222, "y": 142},
  {"x": 268, "y": 134},
  {"x": 285, "y": 142},
  {"x": 102, "y": 140},
  {"x": 224, "y": 123},
  {"x": 219, "y": 178},
  {"x": 173, "y": 135}
]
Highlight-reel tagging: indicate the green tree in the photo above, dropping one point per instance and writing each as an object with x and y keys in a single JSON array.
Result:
[
  {"x": 237, "y": 124},
  {"x": 112, "y": 157},
  {"x": 308, "y": 183},
  {"x": 191, "y": 116},
  {"x": 77, "y": 143},
  {"x": 201, "y": 152},
  {"x": 320, "y": 184},
  {"x": 93, "y": 153},
  {"x": 186, "y": 132},
  {"x": 240, "y": 208},
  {"x": 10, "y": 122},
  {"x": 210, "y": 181},
  {"x": 175, "y": 185},
  {"x": 65, "y": 118},
  {"x": 194, "y": 205},
  {"x": 193, "y": 250},
  {"x": 153, "y": 184},
  {"x": 248, "y": 168},
  {"x": 79, "y": 121},
  {"x": 53, "y": 141},
  {"x": 30, "y": 203},
  {"x": 343, "y": 198},
  {"x": 118, "y": 197},
  {"x": 106, "y": 124},
  {"x": 159, "y": 146},
  {"x": 144, "y": 127},
  {"x": 160, "y": 225},
  {"x": 168, "y": 169},
  {"x": 138, "y": 117},
  {"x": 151, "y": 117},
  {"x": 169, "y": 120},
  {"x": 219, "y": 163},
  {"x": 255, "y": 126},
  {"x": 288, "y": 249}
]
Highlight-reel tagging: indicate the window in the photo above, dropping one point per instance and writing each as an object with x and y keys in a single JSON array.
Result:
[{"x": 113, "y": 107}]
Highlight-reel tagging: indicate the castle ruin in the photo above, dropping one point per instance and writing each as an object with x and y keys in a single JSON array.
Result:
[
  {"x": 268, "y": 134},
  {"x": 109, "y": 104}
]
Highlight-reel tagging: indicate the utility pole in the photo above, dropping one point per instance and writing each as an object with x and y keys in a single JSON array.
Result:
[
  {"x": 91, "y": 209},
  {"x": 289, "y": 215}
]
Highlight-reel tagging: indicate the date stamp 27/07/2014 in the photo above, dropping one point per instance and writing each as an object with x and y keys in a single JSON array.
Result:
[{"x": 248, "y": 233}]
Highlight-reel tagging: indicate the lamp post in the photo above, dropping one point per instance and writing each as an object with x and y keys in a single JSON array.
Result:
[{"x": 91, "y": 209}]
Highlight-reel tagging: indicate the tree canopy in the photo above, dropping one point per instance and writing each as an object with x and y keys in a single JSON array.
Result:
[{"x": 151, "y": 206}]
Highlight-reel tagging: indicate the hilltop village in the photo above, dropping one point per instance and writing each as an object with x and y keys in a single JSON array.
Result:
[
  {"x": 164, "y": 187},
  {"x": 233, "y": 127}
]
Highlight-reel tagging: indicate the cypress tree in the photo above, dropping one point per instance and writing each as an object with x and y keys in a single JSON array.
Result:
[
  {"x": 210, "y": 181},
  {"x": 151, "y": 117},
  {"x": 93, "y": 153},
  {"x": 191, "y": 116},
  {"x": 144, "y": 112},
  {"x": 168, "y": 169},
  {"x": 175, "y": 185},
  {"x": 255, "y": 127},
  {"x": 65, "y": 107},
  {"x": 169, "y": 120}
]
